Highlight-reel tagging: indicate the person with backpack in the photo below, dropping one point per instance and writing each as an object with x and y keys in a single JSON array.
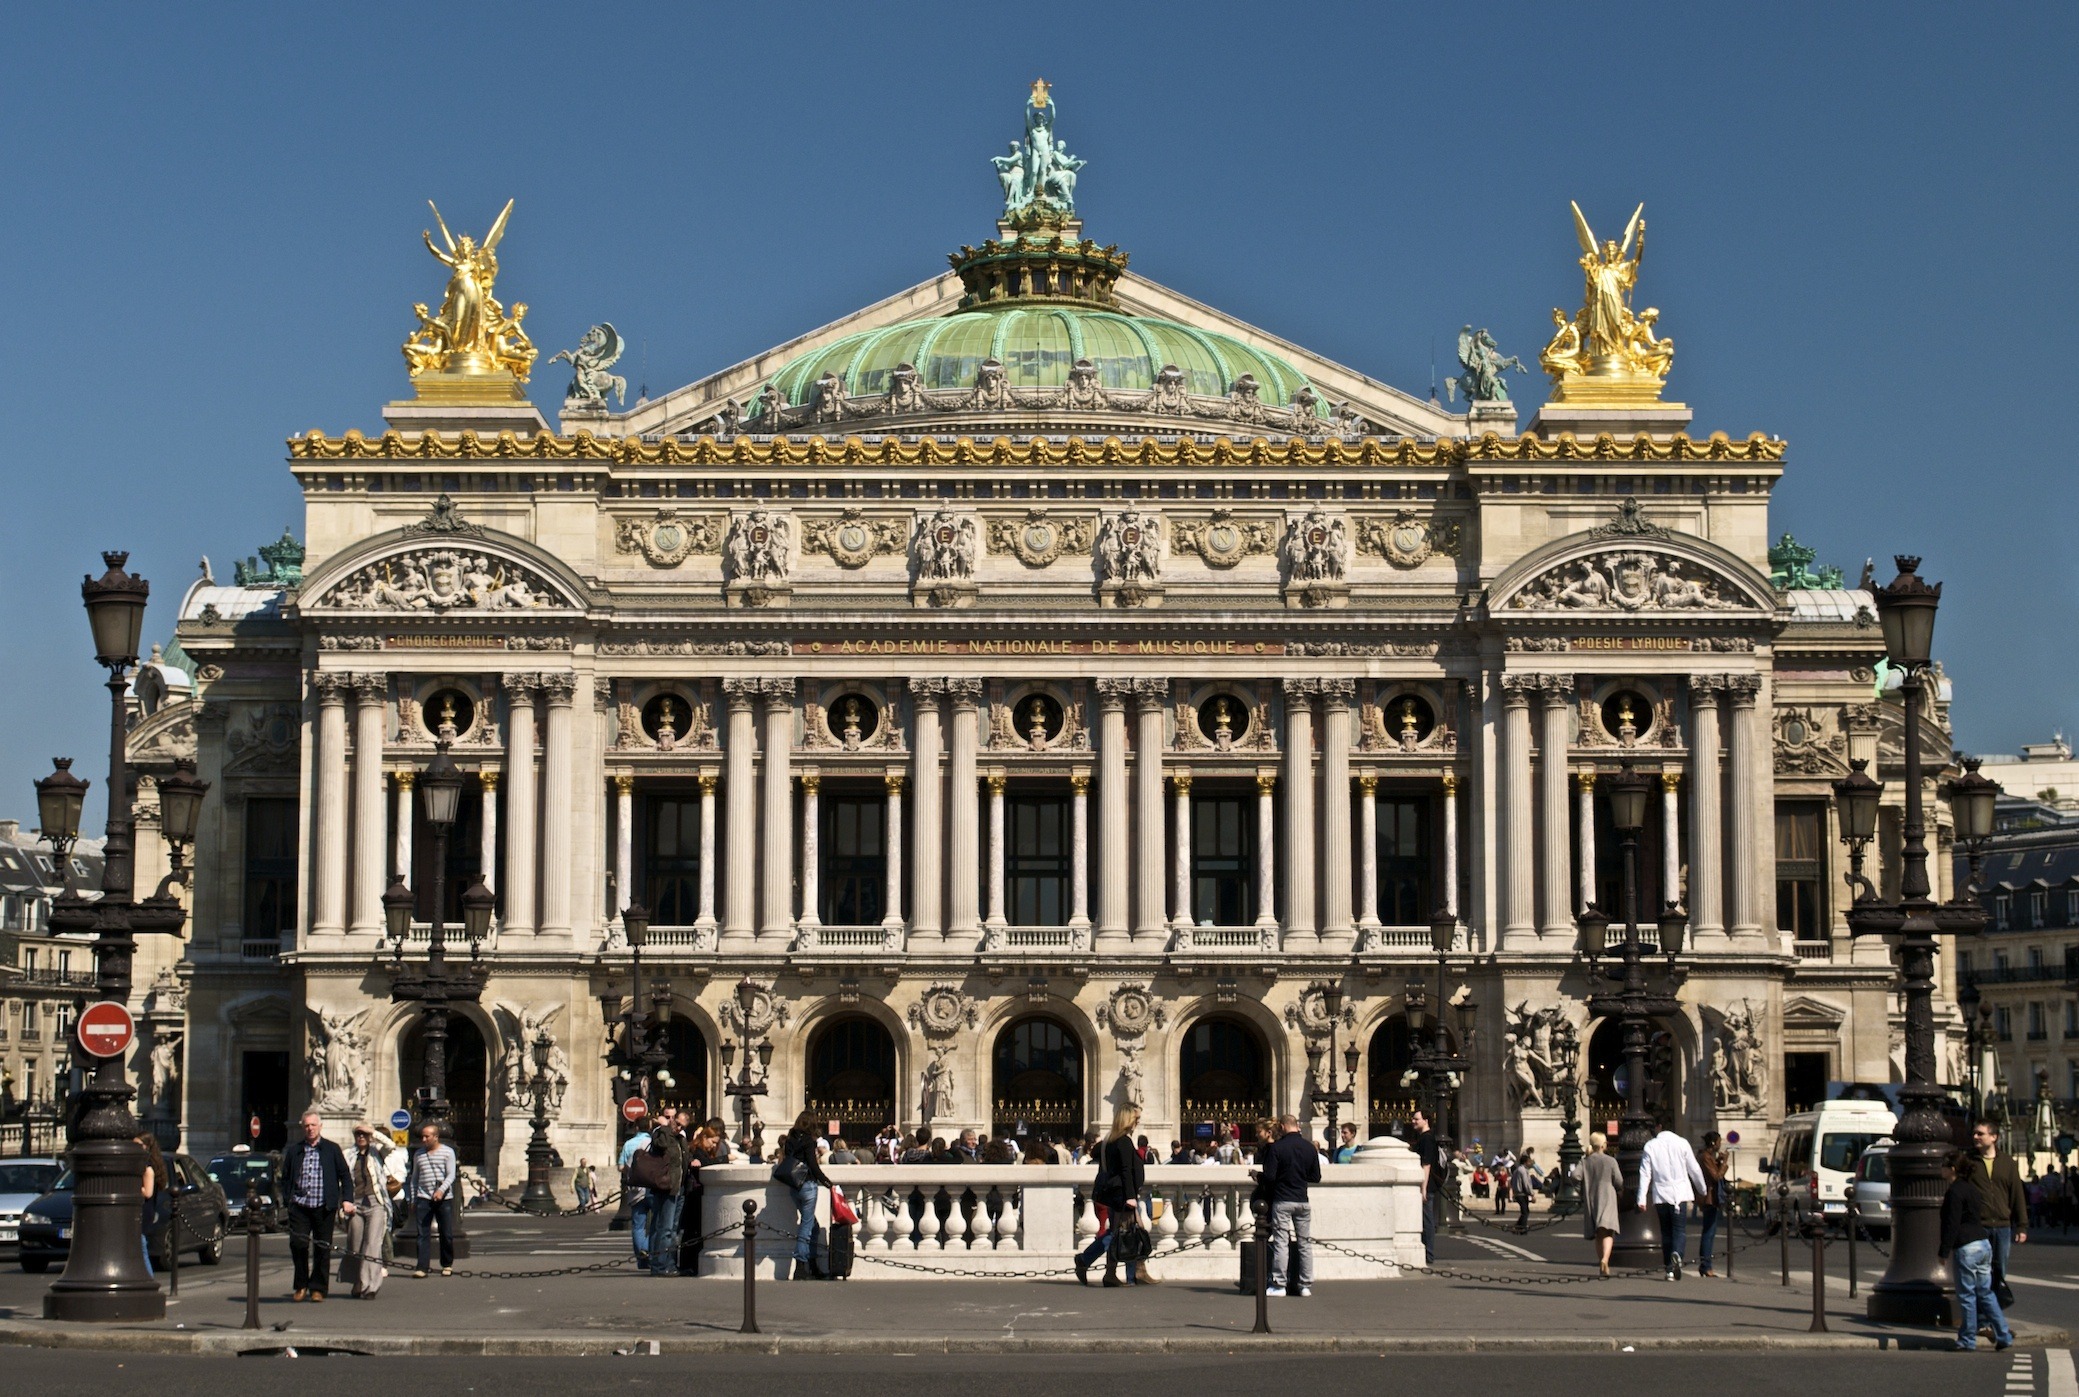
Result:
[
  {"x": 637, "y": 1197},
  {"x": 798, "y": 1168},
  {"x": 1116, "y": 1195}
]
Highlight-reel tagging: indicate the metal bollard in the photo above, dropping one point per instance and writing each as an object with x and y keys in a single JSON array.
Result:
[
  {"x": 1732, "y": 1230},
  {"x": 1819, "y": 1280},
  {"x": 252, "y": 1257},
  {"x": 750, "y": 1325},
  {"x": 1783, "y": 1226},
  {"x": 173, "y": 1249},
  {"x": 1262, "y": 1244},
  {"x": 1853, "y": 1223}
]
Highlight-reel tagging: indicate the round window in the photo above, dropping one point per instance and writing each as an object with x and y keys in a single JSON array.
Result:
[
  {"x": 1627, "y": 715},
  {"x": 448, "y": 713},
  {"x": 1409, "y": 718},
  {"x": 1038, "y": 718},
  {"x": 664, "y": 718},
  {"x": 1223, "y": 718},
  {"x": 854, "y": 718}
]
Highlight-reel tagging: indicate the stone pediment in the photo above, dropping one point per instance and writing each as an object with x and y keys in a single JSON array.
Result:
[
  {"x": 1800, "y": 1012},
  {"x": 1631, "y": 568},
  {"x": 443, "y": 566}
]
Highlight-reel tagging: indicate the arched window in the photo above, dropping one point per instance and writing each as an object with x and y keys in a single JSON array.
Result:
[
  {"x": 1038, "y": 1079},
  {"x": 851, "y": 1076},
  {"x": 1225, "y": 1075}
]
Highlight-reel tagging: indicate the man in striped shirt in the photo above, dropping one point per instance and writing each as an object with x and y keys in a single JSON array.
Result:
[{"x": 433, "y": 1176}]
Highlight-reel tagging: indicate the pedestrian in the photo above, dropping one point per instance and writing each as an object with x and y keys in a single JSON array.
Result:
[
  {"x": 1524, "y": 1179},
  {"x": 434, "y": 1175},
  {"x": 1671, "y": 1177},
  {"x": 1284, "y": 1170},
  {"x": 1116, "y": 1196},
  {"x": 1715, "y": 1162},
  {"x": 1601, "y": 1181},
  {"x": 158, "y": 1198},
  {"x": 967, "y": 1150},
  {"x": 637, "y": 1198},
  {"x": 369, "y": 1224},
  {"x": 584, "y": 1183},
  {"x": 666, "y": 1192},
  {"x": 1504, "y": 1165},
  {"x": 798, "y": 1170},
  {"x": 1425, "y": 1146},
  {"x": 314, "y": 1173},
  {"x": 2002, "y": 1203},
  {"x": 1346, "y": 1147},
  {"x": 1966, "y": 1238}
]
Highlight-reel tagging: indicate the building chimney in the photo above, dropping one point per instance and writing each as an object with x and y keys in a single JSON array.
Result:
[{"x": 10, "y": 829}]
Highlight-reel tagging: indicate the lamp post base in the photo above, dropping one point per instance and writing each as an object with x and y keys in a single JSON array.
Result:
[
  {"x": 105, "y": 1280},
  {"x": 1913, "y": 1302},
  {"x": 1638, "y": 1238},
  {"x": 128, "y": 1304}
]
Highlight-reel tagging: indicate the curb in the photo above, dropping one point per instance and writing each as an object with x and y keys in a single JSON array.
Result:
[{"x": 231, "y": 1343}]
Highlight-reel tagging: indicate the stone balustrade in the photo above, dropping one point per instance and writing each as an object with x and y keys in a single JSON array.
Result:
[{"x": 1002, "y": 1219}]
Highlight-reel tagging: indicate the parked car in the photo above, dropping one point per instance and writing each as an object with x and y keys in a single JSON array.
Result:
[
  {"x": 1873, "y": 1187},
  {"x": 1816, "y": 1153},
  {"x": 22, "y": 1182},
  {"x": 234, "y": 1171},
  {"x": 204, "y": 1216}
]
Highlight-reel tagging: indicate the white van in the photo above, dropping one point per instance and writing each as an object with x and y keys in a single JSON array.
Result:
[{"x": 1816, "y": 1153}]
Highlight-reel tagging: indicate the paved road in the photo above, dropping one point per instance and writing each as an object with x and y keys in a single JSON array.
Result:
[{"x": 2021, "y": 1374}]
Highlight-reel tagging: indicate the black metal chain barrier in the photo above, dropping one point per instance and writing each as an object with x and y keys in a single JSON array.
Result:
[
  {"x": 1453, "y": 1274},
  {"x": 595, "y": 1267},
  {"x": 597, "y": 1205}
]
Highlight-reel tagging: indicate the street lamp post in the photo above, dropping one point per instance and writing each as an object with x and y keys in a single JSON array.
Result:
[
  {"x": 1324, "y": 1091},
  {"x": 745, "y": 1087},
  {"x": 640, "y": 1056},
  {"x": 436, "y": 986},
  {"x": 1566, "y": 1075},
  {"x": 538, "y": 1196},
  {"x": 105, "y": 1277},
  {"x": 1634, "y": 1006},
  {"x": 1916, "y": 1288},
  {"x": 1434, "y": 1063}
]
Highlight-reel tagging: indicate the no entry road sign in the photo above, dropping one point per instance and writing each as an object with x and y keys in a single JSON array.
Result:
[{"x": 105, "y": 1029}]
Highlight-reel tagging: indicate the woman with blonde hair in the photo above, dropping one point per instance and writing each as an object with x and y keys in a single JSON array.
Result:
[
  {"x": 1601, "y": 1180},
  {"x": 1116, "y": 1196}
]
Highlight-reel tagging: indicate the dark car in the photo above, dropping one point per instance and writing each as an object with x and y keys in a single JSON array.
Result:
[
  {"x": 234, "y": 1171},
  {"x": 203, "y": 1220}
]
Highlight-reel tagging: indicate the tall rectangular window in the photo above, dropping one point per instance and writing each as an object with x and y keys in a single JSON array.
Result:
[
  {"x": 671, "y": 862},
  {"x": 2000, "y": 915},
  {"x": 2039, "y": 909},
  {"x": 1801, "y": 869},
  {"x": 855, "y": 858},
  {"x": 2036, "y": 1028},
  {"x": 1223, "y": 857},
  {"x": 270, "y": 868},
  {"x": 1405, "y": 874},
  {"x": 1036, "y": 865}
]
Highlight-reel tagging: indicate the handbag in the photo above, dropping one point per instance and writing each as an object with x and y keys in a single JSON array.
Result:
[
  {"x": 1131, "y": 1242},
  {"x": 2001, "y": 1291},
  {"x": 840, "y": 1210},
  {"x": 652, "y": 1170},
  {"x": 791, "y": 1170}
]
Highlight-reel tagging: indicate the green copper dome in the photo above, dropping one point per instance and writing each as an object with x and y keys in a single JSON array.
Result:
[{"x": 1037, "y": 344}]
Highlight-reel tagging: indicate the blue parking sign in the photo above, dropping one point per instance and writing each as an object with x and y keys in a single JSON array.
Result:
[{"x": 400, "y": 1119}]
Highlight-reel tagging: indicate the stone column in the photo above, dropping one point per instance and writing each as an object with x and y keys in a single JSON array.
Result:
[
  {"x": 1112, "y": 909},
  {"x": 1519, "y": 905},
  {"x": 996, "y": 782},
  {"x": 1706, "y": 885},
  {"x": 740, "y": 820},
  {"x": 926, "y": 900},
  {"x": 487, "y": 844},
  {"x": 400, "y": 855},
  {"x": 1449, "y": 901},
  {"x": 811, "y": 849},
  {"x": 1079, "y": 850},
  {"x": 1671, "y": 835},
  {"x": 1266, "y": 850},
  {"x": 1299, "y": 813},
  {"x": 558, "y": 799},
  {"x": 706, "y": 920},
  {"x": 624, "y": 840},
  {"x": 1746, "y": 753},
  {"x": 328, "y": 858},
  {"x": 1557, "y": 925},
  {"x": 1367, "y": 850},
  {"x": 1584, "y": 784},
  {"x": 776, "y": 900},
  {"x": 371, "y": 706},
  {"x": 1336, "y": 927},
  {"x": 891, "y": 901},
  {"x": 1150, "y": 926},
  {"x": 521, "y": 691},
  {"x": 1180, "y": 894},
  {"x": 963, "y": 814}
]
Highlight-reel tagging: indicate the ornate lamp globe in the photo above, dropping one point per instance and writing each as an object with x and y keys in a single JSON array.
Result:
[
  {"x": 1906, "y": 608},
  {"x": 1857, "y": 796},
  {"x": 60, "y": 797},
  {"x": 1973, "y": 799},
  {"x": 1629, "y": 791},
  {"x": 397, "y": 909},
  {"x": 635, "y": 924},
  {"x": 115, "y": 610},
  {"x": 180, "y": 802},
  {"x": 440, "y": 787}
]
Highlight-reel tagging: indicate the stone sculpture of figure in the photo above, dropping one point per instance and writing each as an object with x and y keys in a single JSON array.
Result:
[
  {"x": 1314, "y": 548},
  {"x": 1129, "y": 547},
  {"x": 597, "y": 352},
  {"x": 1739, "y": 1072},
  {"x": 905, "y": 393},
  {"x": 1010, "y": 169},
  {"x": 1590, "y": 590},
  {"x": 1528, "y": 1063},
  {"x": 1169, "y": 395},
  {"x": 757, "y": 547},
  {"x": 1483, "y": 362},
  {"x": 945, "y": 547},
  {"x": 337, "y": 1061},
  {"x": 1132, "y": 1083},
  {"x": 165, "y": 1064},
  {"x": 1038, "y": 173},
  {"x": 937, "y": 1097},
  {"x": 1517, "y": 1072}
]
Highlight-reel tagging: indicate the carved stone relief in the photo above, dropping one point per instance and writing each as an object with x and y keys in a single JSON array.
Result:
[
  {"x": 1222, "y": 540},
  {"x": 1039, "y": 539},
  {"x": 441, "y": 580},
  {"x": 853, "y": 540},
  {"x": 1408, "y": 540},
  {"x": 669, "y": 538},
  {"x": 1627, "y": 581}
]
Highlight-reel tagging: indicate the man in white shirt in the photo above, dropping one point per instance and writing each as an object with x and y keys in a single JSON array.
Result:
[{"x": 1671, "y": 1177}]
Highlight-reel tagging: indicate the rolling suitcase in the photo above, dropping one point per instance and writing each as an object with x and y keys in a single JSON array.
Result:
[{"x": 839, "y": 1264}]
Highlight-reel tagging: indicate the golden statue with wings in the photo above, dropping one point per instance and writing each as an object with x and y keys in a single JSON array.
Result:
[
  {"x": 1606, "y": 353},
  {"x": 471, "y": 333}
]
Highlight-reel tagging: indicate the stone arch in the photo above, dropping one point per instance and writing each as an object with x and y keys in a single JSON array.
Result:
[
  {"x": 808, "y": 1036},
  {"x": 1737, "y": 581},
  {"x": 546, "y": 574},
  {"x": 1279, "y": 1081},
  {"x": 1684, "y": 1042},
  {"x": 1100, "y": 1049},
  {"x": 471, "y": 1076},
  {"x": 263, "y": 1073}
]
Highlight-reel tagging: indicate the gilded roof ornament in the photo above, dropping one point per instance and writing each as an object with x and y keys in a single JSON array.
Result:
[
  {"x": 1608, "y": 355},
  {"x": 471, "y": 349}
]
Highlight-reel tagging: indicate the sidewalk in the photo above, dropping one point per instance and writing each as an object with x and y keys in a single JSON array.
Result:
[{"x": 602, "y": 1312}]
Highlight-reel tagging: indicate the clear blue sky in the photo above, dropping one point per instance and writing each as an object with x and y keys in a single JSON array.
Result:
[{"x": 1861, "y": 220}]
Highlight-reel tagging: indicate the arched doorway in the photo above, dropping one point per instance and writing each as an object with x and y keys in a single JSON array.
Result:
[
  {"x": 1037, "y": 1084},
  {"x": 686, "y": 1046},
  {"x": 851, "y": 1077},
  {"x": 468, "y": 1078},
  {"x": 1223, "y": 1070},
  {"x": 1606, "y": 1084},
  {"x": 1393, "y": 1098}
]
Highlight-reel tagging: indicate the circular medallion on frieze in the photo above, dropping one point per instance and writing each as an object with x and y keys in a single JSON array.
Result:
[{"x": 1039, "y": 537}]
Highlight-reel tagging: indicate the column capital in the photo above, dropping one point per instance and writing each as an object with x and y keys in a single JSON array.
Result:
[
  {"x": 740, "y": 693},
  {"x": 624, "y": 783},
  {"x": 777, "y": 691},
  {"x": 487, "y": 779},
  {"x": 895, "y": 780},
  {"x": 521, "y": 684},
  {"x": 1706, "y": 687},
  {"x": 1180, "y": 778},
  {"x": 1367, "y": 783},
  {"x": 1151, "y": 694},
  {"x": 995, "y": 781},
  {"x": 1517, "y": 688},
  {"x": 1557, "y": 689},
  {"x": 405, "y": 779},
  {"x": 1585, "y": 779},
  {"x": 1302, "y": 688},
  {"x": 709, "y": 780},
  {"x": 1337, "y": 691},
  {"x": 370, "y": 686},
  {"x": 965, "y": 691},
  {"x": 927, "y": 688},
  {"x": 811, "y": 782},
  {"x": 1079, "y": 781},
  {"x": 1113, "y": 693},
  {"x": 1450, "y": 783},
  {"x": 331, "y": 686},
  {"x": 560, "y": 687},
  {"x": 1744, "y": 688},
  {"x": 1671, "y": 781},
  {"x": 1266, "y": 782}
]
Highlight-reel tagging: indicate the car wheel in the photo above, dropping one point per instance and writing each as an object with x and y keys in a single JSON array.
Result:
[
  {"x": 212, "y": 1252},
  {"x": 36, "y": 1265}
]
